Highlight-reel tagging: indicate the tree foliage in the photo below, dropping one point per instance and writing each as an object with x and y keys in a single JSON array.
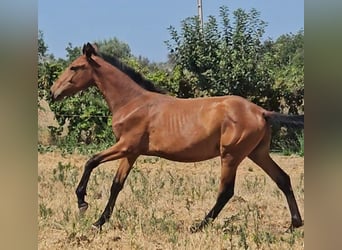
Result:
[
  {"x": 229, "y": 57},
  {"x": 288, "y": 51}
]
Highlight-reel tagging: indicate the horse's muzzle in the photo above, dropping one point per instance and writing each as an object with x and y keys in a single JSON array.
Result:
[{"x": 55, "y": 96}]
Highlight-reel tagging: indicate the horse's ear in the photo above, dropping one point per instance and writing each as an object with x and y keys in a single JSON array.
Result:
[
  {"x": 89, "y": 50},
  {"x": 96, "y": 49},
  {"x": 84, "y": 49}
]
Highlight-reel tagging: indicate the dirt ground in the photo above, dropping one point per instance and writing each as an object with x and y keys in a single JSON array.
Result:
[{"x": 160, "y": 201}]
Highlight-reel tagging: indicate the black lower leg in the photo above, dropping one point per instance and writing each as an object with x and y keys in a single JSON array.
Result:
[
  {"x": 222, "y": 200},
  {"x": 296, "y": 219},
  {"x": 284, "y": 183},
  {"x": 82, "y": 186},
  {"x": 115, "y": 189}
]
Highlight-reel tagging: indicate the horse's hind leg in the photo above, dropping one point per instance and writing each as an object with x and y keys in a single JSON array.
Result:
[
  {"x": 260, "y": 155},
  {"x": 125, "y": 167},
  {"x": 226, "y": 191}
]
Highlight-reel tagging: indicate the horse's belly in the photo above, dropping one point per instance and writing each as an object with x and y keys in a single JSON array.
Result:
[{"x": 186, "y": 152}]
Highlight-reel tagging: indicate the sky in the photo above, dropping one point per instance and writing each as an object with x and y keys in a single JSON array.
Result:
[{"x": 143, "y": 24}]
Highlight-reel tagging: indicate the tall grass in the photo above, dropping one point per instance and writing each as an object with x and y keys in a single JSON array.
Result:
[{"x": 291, "y": 145}]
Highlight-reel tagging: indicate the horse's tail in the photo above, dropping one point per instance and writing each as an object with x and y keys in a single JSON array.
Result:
[{"x": 293, "y": 121}]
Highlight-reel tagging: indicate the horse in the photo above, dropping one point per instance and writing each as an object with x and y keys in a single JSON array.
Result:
[{"x": 148, "y": 122}]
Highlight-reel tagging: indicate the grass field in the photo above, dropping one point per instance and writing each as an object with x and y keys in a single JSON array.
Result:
[{"x": 160, "y": 201}]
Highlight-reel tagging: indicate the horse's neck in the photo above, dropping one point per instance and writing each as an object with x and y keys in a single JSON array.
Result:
[{"x": 117, "y": 88}]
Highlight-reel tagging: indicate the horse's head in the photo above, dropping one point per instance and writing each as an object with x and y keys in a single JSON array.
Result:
[{"x": 77, "y": 76}]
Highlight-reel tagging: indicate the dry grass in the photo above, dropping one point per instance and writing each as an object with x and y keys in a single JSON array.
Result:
[{"x": 160, "y": 201}]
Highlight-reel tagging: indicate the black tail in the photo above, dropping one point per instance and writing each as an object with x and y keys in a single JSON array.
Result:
[{"x": 293, "y": 121}]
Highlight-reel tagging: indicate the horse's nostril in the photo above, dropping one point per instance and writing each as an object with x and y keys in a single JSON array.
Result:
[{"x": 52, "y": 96}]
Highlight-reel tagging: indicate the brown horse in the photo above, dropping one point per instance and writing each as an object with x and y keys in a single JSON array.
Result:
[{"x": 185, "y": 130}]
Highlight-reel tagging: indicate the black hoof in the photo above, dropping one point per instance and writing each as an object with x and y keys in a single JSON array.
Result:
[
  {"x": 290, "y": 229},
  {"x": 98, "y": 224},
  {"x": 294, "y": 225},
  {"x": 197, "y": 227},
  {"x": 96, "y": 228},
  {"x": 83, "y": 207},
  {"x": 297, "y": 224}
]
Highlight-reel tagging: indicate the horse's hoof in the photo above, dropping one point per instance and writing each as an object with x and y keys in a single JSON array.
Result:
[
  {"x": 96, "y": 228},
  {"x": 195, "y": 228},
  {"x": 289, "y": 229},
  {"x": 199, "y": 226},
  {"x": 83, "y": 207},
  {"x": 98, "y": 224},
  {"x": 294, "y": 226}
]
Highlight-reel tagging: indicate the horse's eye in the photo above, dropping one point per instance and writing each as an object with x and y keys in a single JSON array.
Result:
[{"x": 75, "y": 68}]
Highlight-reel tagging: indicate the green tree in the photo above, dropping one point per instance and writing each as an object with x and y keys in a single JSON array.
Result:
[
  {"x": 72, "y": 53},
  {"x": 289, "y": 71},
  {"x": 229, "y": 57},
  {"x": 48, "y": 68},
  {"x": 42, "y": 47},
  {"x": 114, "y": 47},
  {"x": 225, "y": 58}
]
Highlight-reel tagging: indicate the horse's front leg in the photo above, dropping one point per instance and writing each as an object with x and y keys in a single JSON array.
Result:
[
  {"x": 113, "y": 153},
  {"x": 125, "y": 167},
  {"x": 82, "y": 186}
]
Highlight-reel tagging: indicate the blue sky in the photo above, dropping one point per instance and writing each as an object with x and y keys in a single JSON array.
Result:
[{"x": 143, "y": 24}]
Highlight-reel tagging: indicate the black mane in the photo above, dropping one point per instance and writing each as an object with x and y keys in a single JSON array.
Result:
[{"x": 133, "y": 74}]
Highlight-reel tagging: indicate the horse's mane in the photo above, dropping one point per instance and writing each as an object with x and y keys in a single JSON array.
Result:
[{"x": 133, "y": 74}]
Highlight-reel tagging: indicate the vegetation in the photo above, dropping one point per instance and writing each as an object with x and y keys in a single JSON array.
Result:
[{"x": 229, "y": 56}]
